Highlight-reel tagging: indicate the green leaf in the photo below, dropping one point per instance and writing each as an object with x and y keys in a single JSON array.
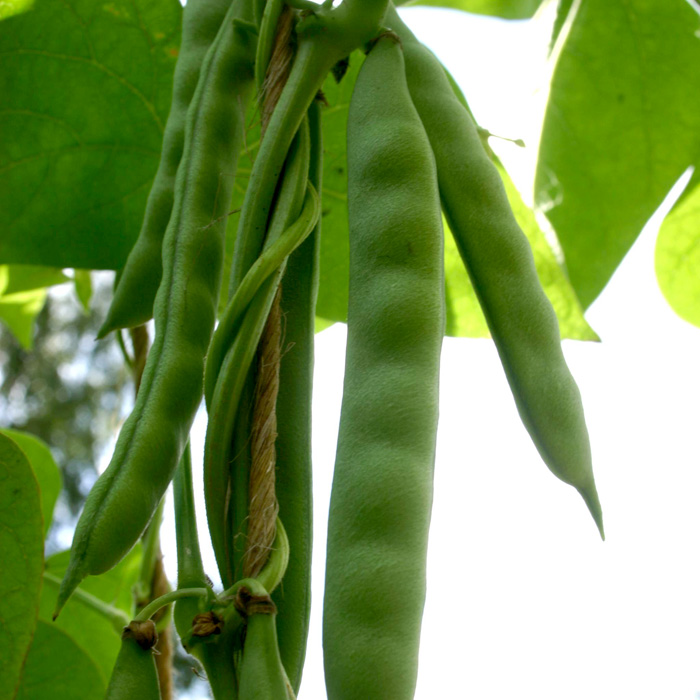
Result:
[
  {"x": 320, "y": 324},
  {"x": 507, "y": 9},
  {"x": 22, "y": 296},
  {"x": 59, "y": 669},
  {"x": 622, "y": 124},
  {"x": 464, "y": 315},
  {"x": 678, "y": 254},
  {"x": 85, "y": 626},
  {"x": 18, "y": 312},
  {"x": 21, "y": 562},
  {"x": 45, "y": 470},
  {"x": 24, "y": 278},
  {"x": 332, "y": 303},
  {"x": 9, "y": 8},
  {"x": 85, "y": 89},
  {"x": 563, "y": 10},
  {"x": 83, "y": 288}
]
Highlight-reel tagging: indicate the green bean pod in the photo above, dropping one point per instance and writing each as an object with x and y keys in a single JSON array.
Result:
[
  {"x": 262, "y": 675},
  {"x": 237, "y": 342},
  {"x": 138, "y": 283},
  {"x": 266, "y": 39},
  {"x": 270, "y": 260},
  {"x": 324, "y": 36},
  {"x": 293, "y": 445},
  {"x": 151, "y": 441},
  {"x": 382, "y": 484},
  {"x": 499, "y": 261},
  {"x": 134, "y": 674}
]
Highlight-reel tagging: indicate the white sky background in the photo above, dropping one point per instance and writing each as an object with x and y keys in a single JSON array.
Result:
[{"x": 524, "y": 600}]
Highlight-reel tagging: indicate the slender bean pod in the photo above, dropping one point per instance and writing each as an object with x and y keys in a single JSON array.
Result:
[
  {"x": 270, "y": 259},
  {"x": 226, "y": 512},
  {"x": 139, "y": 280},
  {"x": 382, "y": 484},
  {"x": 293, "y": 481},
  {"x": 499, "y": 261},
  {"x": 151, "y": 441},
  {"x": 324, "y": 36},
  {"x": 266, "y": 39}
]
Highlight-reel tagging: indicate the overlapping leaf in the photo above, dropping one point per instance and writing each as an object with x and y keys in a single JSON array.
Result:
[
  {"x": 59, "y": 669},
  {"x": 21, "y": 561},
  {"x": 678, "y": 254},
  {"x": 22, "y": 297},
  {"x": 507, "y": 9},
  {"x": 622, "y": 124},
  {"x": 44, "y": 467},
  {"x": 87, "y": 628},
  {"x": 9, "y": 8}
]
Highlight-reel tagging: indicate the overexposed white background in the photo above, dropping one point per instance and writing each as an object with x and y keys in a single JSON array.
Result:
[{"x": 524, "y": 600}]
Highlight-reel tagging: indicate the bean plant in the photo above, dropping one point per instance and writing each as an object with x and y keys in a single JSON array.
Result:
[{"x": 225, "y": 231}]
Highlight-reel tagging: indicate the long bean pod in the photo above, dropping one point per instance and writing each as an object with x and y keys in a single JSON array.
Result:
[
  {"x": 232, "y": 376},
  {"x": 382, "y": 483},
  {"x": 293, "y": 445},
  {"x": 138, "y": 283},
  {"x": 499, "y": 261},
  {"x": 151, "y": 441},
  {"x": 325, "y": 36},
  {"x": 270, "y": 259}
]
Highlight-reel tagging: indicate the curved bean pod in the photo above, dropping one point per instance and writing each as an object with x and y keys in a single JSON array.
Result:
[
  {"x": 382, "y": 484},
  {"x": 151, "y": 441},
  {"x": 270, "y": 259},
  {"x": 499, "y": 261}
]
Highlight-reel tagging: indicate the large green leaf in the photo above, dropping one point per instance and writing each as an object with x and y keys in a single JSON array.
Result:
[
  {"x": 59, "y": 669},
  {"x": 45, "y": 470},
  {"x": 85, "y": 626},
  {"x": 622, "y": 124},
  {"x": 21, "y": 561},
  {"x": 678, "y": 254},
  {"x": 507, "y": 9},
  {"x": 84, "y": 93}
]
